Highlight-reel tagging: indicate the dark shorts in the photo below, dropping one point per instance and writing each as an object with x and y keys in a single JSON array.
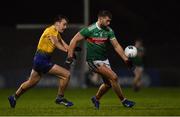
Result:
[{"x": 42, "y": 62}]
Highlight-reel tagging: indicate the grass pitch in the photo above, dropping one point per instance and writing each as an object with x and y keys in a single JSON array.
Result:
[{"x": 40, "y": 101}]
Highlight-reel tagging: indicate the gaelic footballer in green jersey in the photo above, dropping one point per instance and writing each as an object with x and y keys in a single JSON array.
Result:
[{"x": 98, "y": 36}]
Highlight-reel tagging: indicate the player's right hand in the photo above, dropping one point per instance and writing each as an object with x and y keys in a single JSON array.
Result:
[
  {"x": 68, "y": 62},
  {"x": 71, "y": 57}
]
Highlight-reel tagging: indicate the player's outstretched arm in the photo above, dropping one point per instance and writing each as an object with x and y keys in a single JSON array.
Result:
[
  {"x": 65, "y": 44},
  {"x": 118, "y": 48},
  {"x": 78, "y": 37},
  {"x": 57, "y": 43}
]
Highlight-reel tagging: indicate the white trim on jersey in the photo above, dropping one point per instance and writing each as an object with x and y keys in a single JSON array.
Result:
[
  {"x": 98, "y": 26},
  {"x": 113, "y": 38}
]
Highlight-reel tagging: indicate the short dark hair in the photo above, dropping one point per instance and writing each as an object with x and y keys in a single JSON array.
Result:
[
  {"x": 105, "y": 13},
  {"x": 59, "y": 18}
]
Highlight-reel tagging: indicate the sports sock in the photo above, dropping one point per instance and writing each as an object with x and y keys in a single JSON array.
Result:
[
  {"x": 123, "y": 100},
  {"x": 59, "y": 96},
  {"x": 15, "y": 96}
]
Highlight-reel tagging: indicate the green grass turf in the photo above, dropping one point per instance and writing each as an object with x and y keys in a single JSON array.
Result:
[{"x": 40, "y": 101}]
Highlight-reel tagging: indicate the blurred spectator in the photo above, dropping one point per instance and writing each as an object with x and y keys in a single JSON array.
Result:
[{"x": 139, "y": 62}]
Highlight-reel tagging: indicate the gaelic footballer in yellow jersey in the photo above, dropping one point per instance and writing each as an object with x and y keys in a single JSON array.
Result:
[{"x": 49, "y": 40}]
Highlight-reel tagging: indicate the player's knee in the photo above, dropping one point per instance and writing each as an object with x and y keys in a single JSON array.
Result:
[
  {"x": 108, "y": 85},
  {"x": 68, "y": 75},
  {"x": 114, "y": 78}
]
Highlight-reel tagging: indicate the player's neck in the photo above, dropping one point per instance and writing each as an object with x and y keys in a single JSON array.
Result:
[{"x": 55, "y": 27}]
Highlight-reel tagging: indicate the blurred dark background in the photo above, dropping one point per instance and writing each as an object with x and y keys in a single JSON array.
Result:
[{"x": 156, "y": 22}]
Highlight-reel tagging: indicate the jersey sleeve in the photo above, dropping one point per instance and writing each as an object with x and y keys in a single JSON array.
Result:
[
  {"x": 50, "y": 32},
  {"x": 111, "y": 34},
  {"x": 85, "y": 32}
]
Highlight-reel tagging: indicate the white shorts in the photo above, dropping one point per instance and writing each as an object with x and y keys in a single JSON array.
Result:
[
  {"x": 93, "y": 65},
  {"x": 105, "y": 62}
]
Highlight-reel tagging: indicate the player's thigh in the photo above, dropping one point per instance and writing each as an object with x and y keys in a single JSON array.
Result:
[
  {"x": 59, "y": 71},
  {"x": 107, "y": 73}
]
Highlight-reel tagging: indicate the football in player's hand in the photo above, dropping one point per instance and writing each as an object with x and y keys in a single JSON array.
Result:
[{"x": 130, "y": 51}]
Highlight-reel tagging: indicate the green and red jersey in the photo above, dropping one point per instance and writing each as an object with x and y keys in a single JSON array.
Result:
[{"x": 97, "y": 40}]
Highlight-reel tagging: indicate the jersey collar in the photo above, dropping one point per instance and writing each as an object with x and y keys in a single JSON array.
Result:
[{"x": 98, "y": 26}]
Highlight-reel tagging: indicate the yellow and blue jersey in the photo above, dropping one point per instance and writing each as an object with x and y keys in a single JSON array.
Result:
[{"x": 45, "y": 45}]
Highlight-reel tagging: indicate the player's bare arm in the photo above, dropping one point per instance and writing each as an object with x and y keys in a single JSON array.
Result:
[
  {"x": 118, "y": 48},
  {"x": 78, "y": 37},
  {"x": 65, "y": 44},
  {"x": 57, "y": 43}
]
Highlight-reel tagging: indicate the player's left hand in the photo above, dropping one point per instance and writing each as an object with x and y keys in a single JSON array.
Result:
[{"x": 130, "y": 65}]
